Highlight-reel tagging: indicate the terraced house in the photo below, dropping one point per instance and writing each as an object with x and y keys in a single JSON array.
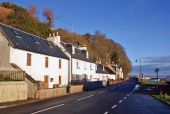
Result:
[
  {"x": 39, "y": 58},
  {"x": 81, "y": 67}
]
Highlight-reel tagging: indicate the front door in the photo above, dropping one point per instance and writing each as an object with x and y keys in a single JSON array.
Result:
[{"x": 46, "y": 81}]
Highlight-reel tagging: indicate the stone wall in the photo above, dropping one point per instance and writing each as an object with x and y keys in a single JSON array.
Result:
[
  {"x": 13, "y": 91},
  {"x": 50, "y": 93},
  {"x": 76, "y": 89}
]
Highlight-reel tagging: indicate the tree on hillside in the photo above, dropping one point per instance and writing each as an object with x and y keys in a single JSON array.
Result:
[
  {"x": 33, "y": 10},
  {"x": 48, "y": 13}
]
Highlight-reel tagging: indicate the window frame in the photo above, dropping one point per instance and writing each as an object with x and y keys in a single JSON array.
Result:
[{"x": 29, "y": 59}]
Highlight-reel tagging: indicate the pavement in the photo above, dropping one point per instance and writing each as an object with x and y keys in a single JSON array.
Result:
[{"x": 116, "y": 99}]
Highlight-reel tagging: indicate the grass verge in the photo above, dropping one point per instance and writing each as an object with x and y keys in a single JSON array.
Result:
[{"x": 163, "y": 98}]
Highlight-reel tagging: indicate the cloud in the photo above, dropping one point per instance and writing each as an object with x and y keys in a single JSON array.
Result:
[
  {"x": 150, "y": 63},
  {"x": 150, "y": 69},
  {"x": 157, "y": 60}
]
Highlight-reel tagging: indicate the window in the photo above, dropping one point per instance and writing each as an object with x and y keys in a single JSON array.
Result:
[
  {"x": 77, "y": 64},
  {"x": 46, "y": 62},
  {"x": 51, "y": 79},
  {"x": 59, "y": 63},
  {"x": 28, "y": 59},
  {"x": 35, "y": 39},
  {"x": 91, "y": 67},
  {"x": 16, "y": 33}
]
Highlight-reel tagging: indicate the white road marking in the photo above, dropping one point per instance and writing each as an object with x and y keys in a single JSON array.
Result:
[
  {"x": 114, "y": 106},
  {"x": 124, "y": 97},
  {"x": 101, "y": 91},
  {"x": 47, "y": 109},
  {"x": 84, "y": 97},
  {"x": 120, "y": 101},
  {"x": 106, "y": 112}
]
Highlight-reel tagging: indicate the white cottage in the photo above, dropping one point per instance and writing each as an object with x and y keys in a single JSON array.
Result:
[
  {"x": 101, "y": 73},
  {"x": 38, "y": 57},
  {"x": 81, "y": 67}
]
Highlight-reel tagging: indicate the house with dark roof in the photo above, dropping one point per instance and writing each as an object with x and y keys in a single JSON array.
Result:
[
  {"x": 38, "y": 57},
  {"x": 111, "y": 73},
  {"x": 103, "y": 73},
  {"x": 81, "y": 67}
]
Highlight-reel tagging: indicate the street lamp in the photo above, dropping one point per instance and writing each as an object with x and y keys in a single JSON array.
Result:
[
  {"x": 156, "y": 71},
  {"x": 140, "y": 68}
]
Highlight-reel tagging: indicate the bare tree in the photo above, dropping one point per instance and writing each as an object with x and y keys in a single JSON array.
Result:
[
  {"x": 33, "y": 10},
  {"x": 48, "y": 13}
]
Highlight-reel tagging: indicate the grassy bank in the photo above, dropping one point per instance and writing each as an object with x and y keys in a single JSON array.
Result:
[{"x": 164, "y": 98}]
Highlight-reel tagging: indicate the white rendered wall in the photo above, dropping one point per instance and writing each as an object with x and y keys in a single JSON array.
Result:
[
  {"x": 84, "y": 68},
  {"x": 37, "y": 69}
]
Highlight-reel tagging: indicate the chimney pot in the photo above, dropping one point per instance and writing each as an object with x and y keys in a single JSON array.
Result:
[
  {"x": 57, "y": 33},
  {"x": 53, "y": 34}
]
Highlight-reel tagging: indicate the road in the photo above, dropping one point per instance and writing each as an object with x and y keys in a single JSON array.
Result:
[{"x": 117, "y": 99}]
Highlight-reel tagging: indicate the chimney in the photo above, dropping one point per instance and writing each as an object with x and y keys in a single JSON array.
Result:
[
  {"x": 73, "y": 49},
  {"x": 103, "y": 68},
  {"x": 55, "y": 38},
  {"x": 87, "y": 54}
]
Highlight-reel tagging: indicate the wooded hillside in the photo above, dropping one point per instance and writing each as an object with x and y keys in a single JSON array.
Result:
[{"x": 99, "y": 46}]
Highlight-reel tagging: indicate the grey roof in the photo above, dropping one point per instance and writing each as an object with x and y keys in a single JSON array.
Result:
[
  {"x": 79, "y": 54},
  {"x": 110, "y": 71},
  {"x": 100, "y": 69},
  {"x": 29, "y": 42}
]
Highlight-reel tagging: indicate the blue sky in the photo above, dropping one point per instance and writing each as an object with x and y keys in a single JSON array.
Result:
[{"x": 141, "y": 26}]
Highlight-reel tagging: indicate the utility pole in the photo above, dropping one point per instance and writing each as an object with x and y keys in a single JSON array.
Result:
[
  {"x": 140, "y": 66},
  {"x": 157, "y": 71}
]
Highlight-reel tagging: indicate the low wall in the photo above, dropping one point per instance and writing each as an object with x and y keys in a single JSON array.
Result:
[
  {"x": 76, "y": 89},
  {"x": 50, "y": 93},
  {"x": 112, "y": 82},
  {"x": 13, "y": 91},
  {"x": 88, "y": 86}
]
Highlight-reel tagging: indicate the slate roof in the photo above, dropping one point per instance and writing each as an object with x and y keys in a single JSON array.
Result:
[
  {"x": 79, "y": 54},
  {"x": 100, "y": 69},
  {"x": 109, "y": 70},
  {"x": 29, "y": 42}
]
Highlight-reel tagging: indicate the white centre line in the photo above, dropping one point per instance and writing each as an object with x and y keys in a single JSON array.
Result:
[
  {"x": 114, "y": 106},
  {"x": 84, "y": 97},
  {"x": 120, "y": 101},
  {"x": 106, "y": 112},
  {"x": 47, "y": 109},
  {"x": 124, "y": 97},
  {"x": 102, "y": 92}
]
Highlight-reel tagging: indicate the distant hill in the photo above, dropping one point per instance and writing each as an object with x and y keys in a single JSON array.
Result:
[{"x": 99, "y": 46}]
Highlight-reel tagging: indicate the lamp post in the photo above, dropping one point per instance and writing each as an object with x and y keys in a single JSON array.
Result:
[
  {"x": 157, "y": 71},
  {"x": 140, "y": 67}
]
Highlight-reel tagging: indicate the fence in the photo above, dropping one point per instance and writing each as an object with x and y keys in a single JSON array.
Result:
[{"x": 8, "y": 74}]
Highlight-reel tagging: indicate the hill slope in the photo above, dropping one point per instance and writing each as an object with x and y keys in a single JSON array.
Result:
[{"x": 100, "y": 48}]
